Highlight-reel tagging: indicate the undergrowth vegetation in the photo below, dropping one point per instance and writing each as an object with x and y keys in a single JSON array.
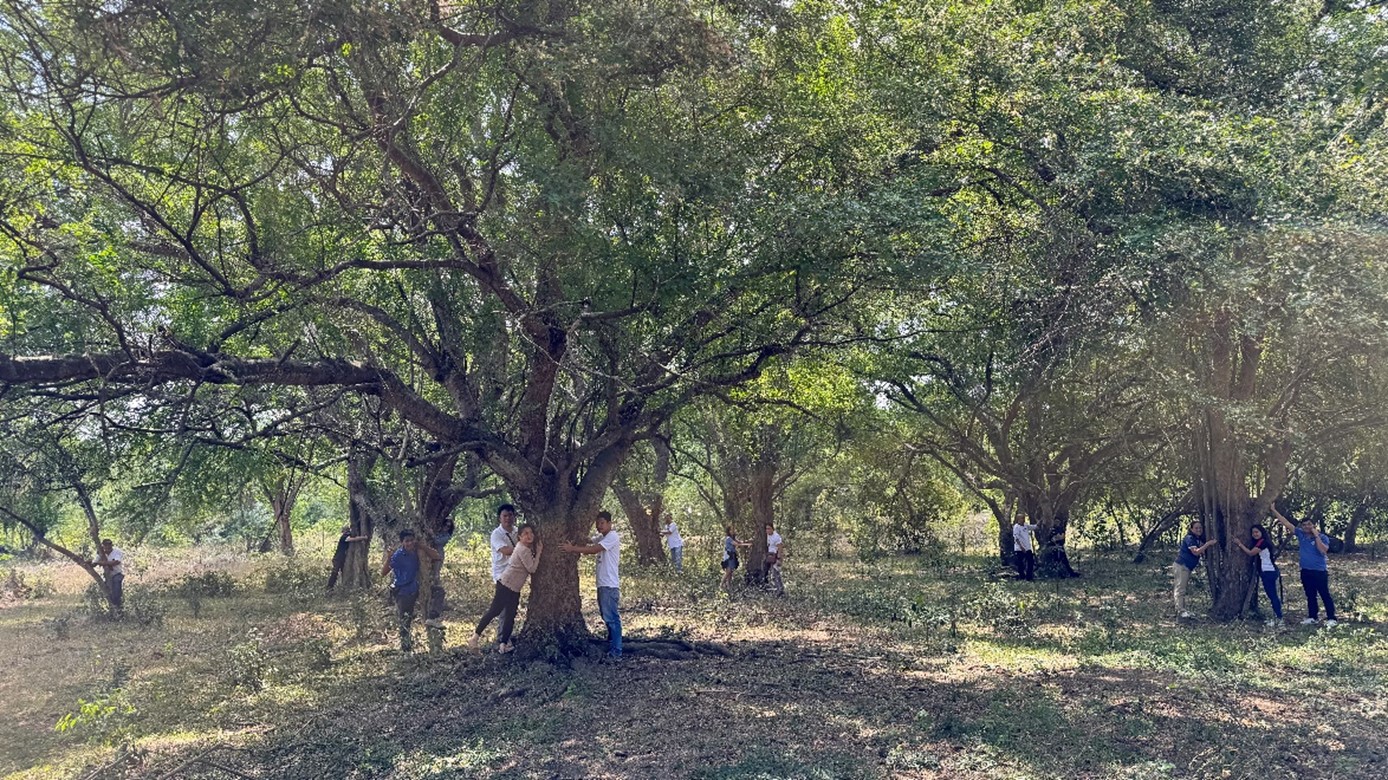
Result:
[{"x": 892, "y": 667}]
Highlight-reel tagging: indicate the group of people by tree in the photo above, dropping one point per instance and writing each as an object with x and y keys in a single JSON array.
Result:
[
  {"x": 1312, "y": 547},
  {"x": 516, "y": 553}
]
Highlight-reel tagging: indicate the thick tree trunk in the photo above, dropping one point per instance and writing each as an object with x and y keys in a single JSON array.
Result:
[
  {"x": 554, "y": 611},
  {"x": 1360, "y": 514},
  {"x": 761, "y": 495},
  {"x": 282, "y": 497},
  {"x": 644, "y": 521},
  {"x": 1228, "y": 505},
  {"x": 1052, "y": 558},
  {"x": 356, "y": 573}
]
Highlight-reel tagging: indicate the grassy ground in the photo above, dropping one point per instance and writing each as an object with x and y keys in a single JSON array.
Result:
[{"x": 896, "y": 669}]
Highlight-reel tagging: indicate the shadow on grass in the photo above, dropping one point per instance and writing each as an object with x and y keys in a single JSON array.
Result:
[{"x": 760, "y": 714}]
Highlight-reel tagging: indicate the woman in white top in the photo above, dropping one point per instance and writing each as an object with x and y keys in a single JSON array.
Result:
[
  {"x": 1261, "y": 546},
  {"x": 525, "y": 558}
]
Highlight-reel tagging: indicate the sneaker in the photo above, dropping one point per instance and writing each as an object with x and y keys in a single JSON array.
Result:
[
  {"x": 1185, "y": 614},
  {"x": 1310, "y": 621},
  {"x": 505, "y": 647},
  {"x": 1331, "y": 623},
  {"x": 473, "y": 643}
]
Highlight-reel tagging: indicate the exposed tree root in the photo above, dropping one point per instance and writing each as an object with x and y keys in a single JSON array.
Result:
[{"x": 667, "y": 649}]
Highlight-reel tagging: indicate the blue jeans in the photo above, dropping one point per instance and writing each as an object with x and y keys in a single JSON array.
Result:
[
  {"x": 1270, "y": 587},
  {"x": 607, "y": 605},
  {"x": 677, "y": 558}
]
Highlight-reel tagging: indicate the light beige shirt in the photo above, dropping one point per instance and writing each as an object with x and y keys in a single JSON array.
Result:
[{"x": 522, "y": 564}]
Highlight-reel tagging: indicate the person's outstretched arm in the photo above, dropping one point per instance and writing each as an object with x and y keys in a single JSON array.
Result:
[
  {"x": 1287, "y": 524},
  {"x": 1250, "y": 552}
]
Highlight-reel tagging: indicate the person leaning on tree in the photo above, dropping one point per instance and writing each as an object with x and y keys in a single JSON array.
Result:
[
  {"x": 607, "y": 546},
  {"x": 112, "y": 562},
  {"x": 403, "y": 563},
  {"x": 1193, "y": 546},
  {"x": 671, "y": 532},
  {"x": 340, "y": 556},
  {"x": 771, "y": 565},
  {"x": 506, "y": 601},
  {"x": 1315, "y": 571},
  {"x": 1023, "y": 547}
]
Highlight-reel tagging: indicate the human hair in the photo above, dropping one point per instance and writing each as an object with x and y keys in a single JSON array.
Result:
[
  {"x": 1262, "y": 535},
  {"x": 770, "y": 525},
  {"x": 346, "y": 529},
  {"x": 406, "y": 534},
  {"x": 527, "y": 527},
  {"x": 603, "y": 514},
  {"x": 504, "y": 508},
  {"x": 727, "y": 529},
  {"x": 1190, "y": 529},
  {"x": 108, "y": 541}
]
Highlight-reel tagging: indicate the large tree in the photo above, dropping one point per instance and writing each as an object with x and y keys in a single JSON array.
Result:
[{"x": 531, "y": 230}]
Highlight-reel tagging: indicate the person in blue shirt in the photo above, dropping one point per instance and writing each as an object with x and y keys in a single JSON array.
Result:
[
  {"x": 403, "y": 564},
  {"x": 1315, "y": 573},
  {"x": 1192, "y": 547}
]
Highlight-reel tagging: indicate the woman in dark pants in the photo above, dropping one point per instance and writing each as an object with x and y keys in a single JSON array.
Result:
[
  {"x": 1261, "y": 546},
  {"x": 506, "y": 601}
]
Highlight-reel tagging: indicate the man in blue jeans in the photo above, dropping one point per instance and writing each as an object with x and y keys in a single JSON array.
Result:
[{"x": 607, "y": 546}]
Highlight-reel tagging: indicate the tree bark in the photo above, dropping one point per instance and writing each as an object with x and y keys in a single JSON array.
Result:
[
  {"x": 645, "y": 522},
  {"x": 282, "y": 496},
  {"x": 761, "y": 502},
  {"x": 356, "y": 572},
  {"x": 1356, "y": 518}
]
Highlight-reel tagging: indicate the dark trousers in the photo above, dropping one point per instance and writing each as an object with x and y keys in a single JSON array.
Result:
[
  {"x": 116, "y": 582},
  {"x": 1317, "y": 583},
  {"x": 505, "y": 602},
  {"x": 338, "y": 563},
  {"x": 404, "y": 611},
  {"x": 1026, "y": 564}
]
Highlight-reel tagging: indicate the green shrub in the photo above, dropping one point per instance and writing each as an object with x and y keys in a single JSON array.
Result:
[
  {"x": 248, "y": 663},
  {"x": 211, "y": 584},
  {"x": 109, "y": 717},
  {"x": 293, "y": 578}
]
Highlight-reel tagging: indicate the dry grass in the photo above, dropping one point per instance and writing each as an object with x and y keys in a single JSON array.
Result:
[{"x": 887, "y": 670}]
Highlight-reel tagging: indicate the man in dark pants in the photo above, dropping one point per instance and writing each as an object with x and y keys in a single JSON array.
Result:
[
  {"x": 1024, "y": 548},
  {"x": 1312, "y": 546},
  {"x": 112, "y": 562},
  {"x": 340, "y": 557},
  {"x": 404, "y": 564}
]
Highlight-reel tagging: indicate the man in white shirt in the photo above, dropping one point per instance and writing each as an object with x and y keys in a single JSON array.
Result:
[
  {"x": 503, "y": 540},
  {"x": 1022, "y": 548},
  {"x": 112, "y": 562},
  {"x": 671, "y": 532},
  {"x": 607, "y": 546},
  {"x": 771, "y": 567}
]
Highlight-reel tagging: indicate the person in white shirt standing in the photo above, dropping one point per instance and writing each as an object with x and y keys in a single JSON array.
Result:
[
  {"x": 771, "y": 566},
  {"x": 671, "y": 532},
  {"x": 1023, "y": 547},
  {"x": 503, "y": 540},
  {"x": 112, "y": 562},
  {"x": 607, "y": 546}
]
